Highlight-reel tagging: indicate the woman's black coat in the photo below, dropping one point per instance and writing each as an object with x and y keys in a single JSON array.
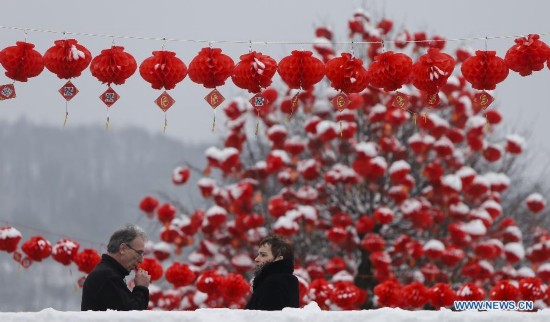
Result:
[
  {"x": 105, "y": 289},
  {"x": 275, "y": 287}
]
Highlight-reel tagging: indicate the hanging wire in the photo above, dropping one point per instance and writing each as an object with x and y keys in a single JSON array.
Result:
[{"x": 210, "y": 42}]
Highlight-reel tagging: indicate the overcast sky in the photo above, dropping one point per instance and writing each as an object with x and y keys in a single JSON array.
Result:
[{"x": 522, "y": 100}]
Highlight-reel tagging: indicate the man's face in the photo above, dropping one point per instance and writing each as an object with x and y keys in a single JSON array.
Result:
[
  {"x": 132, "y": 253},
  {"x": 264, "y": 255}
]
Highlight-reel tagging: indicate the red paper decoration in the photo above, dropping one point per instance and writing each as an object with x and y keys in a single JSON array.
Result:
[
  {"x": 65, "y": 251},
  {"x": 210, "y": 67},
  {"x": 234, "y": 287},
  {"x": 87, "y": 260},
  {"x": 9, "y": 239},
  {"x": 301, "y": 70},
  {"x": 37, "y": 248},
  {"x": 347, "y": 74},
  {"x": 484, "y": 70},
  {"x": 113, "y": 65},
  {"x": 254, "y": 72},
  {"x": 528, "y": 55},
  {"x": 390, "y": 70},
  {"x": 431, "y": 71},
  {"x": 179, "y": 274},
  {"x": 21, "y": 61},
  {"x": 153, "y": 267},
  {"x": 67, "y": 59},
  {"x": 163, "y": 70}
]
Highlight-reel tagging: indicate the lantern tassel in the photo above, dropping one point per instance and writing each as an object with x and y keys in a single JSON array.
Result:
[
  {"x": 257, "y": 124},
  {"x": 66, "y": 113},
  {"x": 214, "y": 122},
  {"x": 165, "y": 123},
  {"x": 107, "y": 123},
  {"x": 341, "y": 130}
]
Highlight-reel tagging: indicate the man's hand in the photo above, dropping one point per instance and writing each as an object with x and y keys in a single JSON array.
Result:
[{"x": 142, "y": 278}]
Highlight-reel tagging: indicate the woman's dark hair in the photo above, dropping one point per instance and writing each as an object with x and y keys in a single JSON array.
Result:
[{"x": 279, "y": 247}]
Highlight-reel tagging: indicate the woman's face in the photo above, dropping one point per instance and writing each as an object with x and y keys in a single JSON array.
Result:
[{"x": 264, "y": 255}]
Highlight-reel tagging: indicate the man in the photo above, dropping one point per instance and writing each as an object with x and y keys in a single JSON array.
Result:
[
  {"x": 105, "y": 288},
  {"x": 274, "y": 287}
]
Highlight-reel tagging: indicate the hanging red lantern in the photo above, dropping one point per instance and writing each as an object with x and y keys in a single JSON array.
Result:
[
  {"x": 504, "y": 291},
  {"x": 148, "y": 205},
  {"x": 234, "y": 287},
  {"x": 209, "y": 282},
  {"x": 37, "y": 248},
  {"x": 390, "y": 70},
  {"x": 470, "y": 292},
  {"x": 180, "y": 175},
  {"x": 347, "y": 74},
  {"x": 21, "y": 61},
  {"x": 415, "y": 295},
  {"x": 87, "y": 260},
  {"x": 301, "y": 70},
  {"x": 431, "y": 71},
  {"x": 484, "y": 70},
  {"x": 210, "y": 67},
  {"x": 254, "y": 71},
  {"x": 67, "y": 58},
  {"x": 153, "y": 268},
  {"x": 64, "y": 251},
  {"x": 441, "y": 295},
  {"x": 388, "y": 294},
  {"x": 179, "y": 274},
  {"x": 528, "y": 55},
  {"x": 9, "y": 239},
  {"x": 113, "y": 66},
  {"x": 163, "y": 70}
]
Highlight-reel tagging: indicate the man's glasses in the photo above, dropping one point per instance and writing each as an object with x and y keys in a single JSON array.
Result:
[{"x": 139, "y": 252}]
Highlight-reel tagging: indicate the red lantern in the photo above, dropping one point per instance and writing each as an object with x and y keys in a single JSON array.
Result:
[
  {"x": 504, "y": 291},
  {"x": 67, "y": 59},
  {"x": 441, "y": 295},
  {"x": 163, "y": 70},
  {"x": 65, "y": 251},
  {"x": 254, "y": 72},
  {"x": 209, "y": 282},
  {"x": 113, "y": 66},
  {"x": 179, "y": 274},
  {"x": 180, "y": 175},
  {"x": 234, "y": 287},
  {"x": 528, "y": 55},
  {"x": 210, "y": 67},
  {"x": 470, "y": 292},
  {"x": 9, "y": 239},
  {"x": 87, "y": 260},
  {"x": 388, "y": 294},
  {"x": 390, "y": 70},
  {"x": 535, "y": 202},
  {"x": 347, "y": 74},
  {"x": 415, "y": 295},
  {"x": 148, "y": 205},
  {"x": 432, "y": 70},
  {"x": 37, "y": 248},
  {"x": 484, "y": 70},
  {"x": 166, "y": 213},
  {"x": 532, "y": 289},
  {"x": 153, "y": 268},
  {"x": 21, "y": 61},
  {"x": 346, "y": 295},
  {"x": 301, "y": 70}
]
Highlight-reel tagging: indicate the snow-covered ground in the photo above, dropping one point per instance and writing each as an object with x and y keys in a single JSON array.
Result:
[{"x": 309, "y": 313}]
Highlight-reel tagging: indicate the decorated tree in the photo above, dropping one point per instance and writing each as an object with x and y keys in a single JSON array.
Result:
[{"x": 389, "y": 176}]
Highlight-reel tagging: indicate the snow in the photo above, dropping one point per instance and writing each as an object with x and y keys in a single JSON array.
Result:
[
  {"x": 466, "y": 172},
  {"x": 242, "y": 260},
  {"x": 277, "y": 128},
  {"x": 216, "y": 210},
  {"x": 281, "y": 154},
  {"x": 435, "y": 245},
  {"x": 438, "y": 121},
  {"x": 162, "y": 246},
  {"x": 452, "y": 181},
  {"x": 342, "y": 276},
  {"x": 380, "y": 161},
  {"x": 324, "y": 126},
  {"x": 518, "y": 140},
  {"x": 410, "y": 205},
  {"x": 9, "y": 232},
  {"x": 308, "y": 212},
  {"x": 459, "y": 208},
  {"x": 516, "y": 249},
  {"x": 220, "y": 155},
  {"x": 285, "y": 222},
  {"x": 475, "y": 122},
  {"x": 543, "y": 268},
  {"x": 535, "y": 197},
  {"x": 399, "y": 165},
  {"x": 475, "y": 227},
  {"x": 525, "y": 272},
  {"x": 514, "y": 230},
  {"x": 311, "y": 312},
  {"x": 322, "y": 42},
  {"x": 368, "y": 149},
  {"x": 206, "y": 182}
]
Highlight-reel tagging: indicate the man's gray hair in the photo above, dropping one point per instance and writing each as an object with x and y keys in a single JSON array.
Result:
[{"x": 124, "y": 236}]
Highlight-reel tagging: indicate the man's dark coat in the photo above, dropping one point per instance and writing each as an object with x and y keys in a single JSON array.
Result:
[
  {"x": 105, "y": 288},
  {"x": 275, "y": 287}
]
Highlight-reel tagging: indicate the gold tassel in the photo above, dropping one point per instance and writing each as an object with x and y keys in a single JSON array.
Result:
[
  {"x": 257, "y": 127},
  {"x": 214, "y": 123},
  {"x": 66, "y": 114},
  {"x": 341, "y": 130},
  {"x": 414, "y": 118},
  {"x": 107, "y": 123},
  {"x": 165, "y": 123}
]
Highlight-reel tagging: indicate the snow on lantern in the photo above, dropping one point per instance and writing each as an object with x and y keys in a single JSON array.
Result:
[
  {"x": 163, "y": 70},
  {"x": 470, "y": 292},
  {"x": 180, "y": 175},
  {"x": 242, "y": 262},
  {"x": 514, "y": 252},
  {"x": 532, "y": 289},
  {"x": 112, "y": 66},
  {"x": 211, "y": 68},
  {"x": 37, "y": 248},
  {"x": 434, "y": 249},
  {"x": 9, "y": 239},
  {"x": 388, "y": 294},
  {"x": 504, "y": 290},
  {"x": 162, "y": 251},
  {"x": 415, "y": 295},
  {"x": 515, "y": 144},
  {"x": 535, "y": 202},
  {"x": 64, "y": 251},
  {"x": 21, "y": 63}
]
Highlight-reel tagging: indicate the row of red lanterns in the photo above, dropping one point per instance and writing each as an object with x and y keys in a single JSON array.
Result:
[{"x": 300, "y": 70}]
